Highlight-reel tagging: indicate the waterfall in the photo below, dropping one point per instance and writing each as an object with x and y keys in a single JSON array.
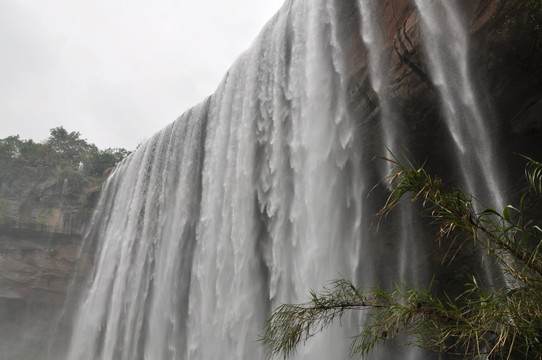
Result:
[
  {"x": 468, "y": 123},
  {"x": 374, "y": 37},
  {"x": 261, "y": 193},
  {"x": 446, "y": 46}
]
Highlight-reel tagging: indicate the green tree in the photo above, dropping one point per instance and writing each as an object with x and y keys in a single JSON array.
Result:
[
  {"x": 10, "y": 147},
  {"x": 63, "y": 150},
  {"x": 68, "y": 148},
  {"x": 498, "y": 323},
  {"x": 100, "y": 160}
]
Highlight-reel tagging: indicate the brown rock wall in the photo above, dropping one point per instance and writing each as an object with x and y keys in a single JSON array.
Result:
[{"x": 38, "y": 266}]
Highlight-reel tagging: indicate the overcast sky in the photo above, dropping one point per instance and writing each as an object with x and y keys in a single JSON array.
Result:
[{"x": 117, "y": 71}]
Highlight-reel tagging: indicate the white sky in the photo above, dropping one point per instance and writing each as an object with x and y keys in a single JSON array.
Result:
[{"x": 117, "y": 71}]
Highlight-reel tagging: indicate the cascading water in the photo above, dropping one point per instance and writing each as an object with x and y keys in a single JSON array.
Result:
[
  {"x": 374, "y": 37},
  {"x": 446, "y": 46},
  {"x": 406, "y": 244},
  {"x": 249, "y": 200}
]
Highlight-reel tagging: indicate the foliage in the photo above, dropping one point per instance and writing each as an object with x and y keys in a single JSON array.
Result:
[
  {"x": 499, "y": 323},
  {"x": 100, "y": 160},
  {"x": 67, "y": 147},
  {"x": 533, "y": 173},
  {"x": 63, "y": 170},
  {"x": 532, "y": 5},
  {"x": 62, "y": 150}
]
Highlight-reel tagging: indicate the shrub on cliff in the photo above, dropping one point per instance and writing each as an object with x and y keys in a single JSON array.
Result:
[{"x": 498, "y": 323}]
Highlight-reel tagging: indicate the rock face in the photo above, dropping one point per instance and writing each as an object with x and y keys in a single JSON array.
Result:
[
  {"x": 36, "y": 266},
  {"x": 505, "y": 56},
  {"x": 42, "y": 222}
]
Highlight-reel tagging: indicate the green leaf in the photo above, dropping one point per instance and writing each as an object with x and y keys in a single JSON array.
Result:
[
  {"x": 490, "y": 211},
  {"x": 506, "y": 212}
]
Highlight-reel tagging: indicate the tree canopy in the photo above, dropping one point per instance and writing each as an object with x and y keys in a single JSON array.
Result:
[{"x": 63, "y": 150}]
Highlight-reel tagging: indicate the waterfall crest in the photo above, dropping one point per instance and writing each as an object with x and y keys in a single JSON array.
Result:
[{"x": 259, "y": 194}]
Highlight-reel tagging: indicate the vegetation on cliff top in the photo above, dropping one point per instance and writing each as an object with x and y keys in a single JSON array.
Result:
[
  {"x": 64, "y": 168},
  {"x": 62, "y": 150}
]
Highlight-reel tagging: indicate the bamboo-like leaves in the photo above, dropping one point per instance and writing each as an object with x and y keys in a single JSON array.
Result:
[
  {"x": 291, "y": 325},
  {"x": 498, "y": 323},
  {"x": 533, "y": 172}
]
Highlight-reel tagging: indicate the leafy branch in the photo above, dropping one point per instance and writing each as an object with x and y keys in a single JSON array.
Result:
[{"x": 499, "y": 323}]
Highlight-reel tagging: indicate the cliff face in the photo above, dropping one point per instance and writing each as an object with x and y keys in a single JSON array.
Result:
[
  {"x": 36, "y": 266},
  {"x": 504, "y": 55},
  {"x": 43, "y": 216}
]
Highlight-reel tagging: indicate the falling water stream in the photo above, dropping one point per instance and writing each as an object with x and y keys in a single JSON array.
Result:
[
  {"x": 446, "y": 44},
  {"x": 261, "y": 193}
]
